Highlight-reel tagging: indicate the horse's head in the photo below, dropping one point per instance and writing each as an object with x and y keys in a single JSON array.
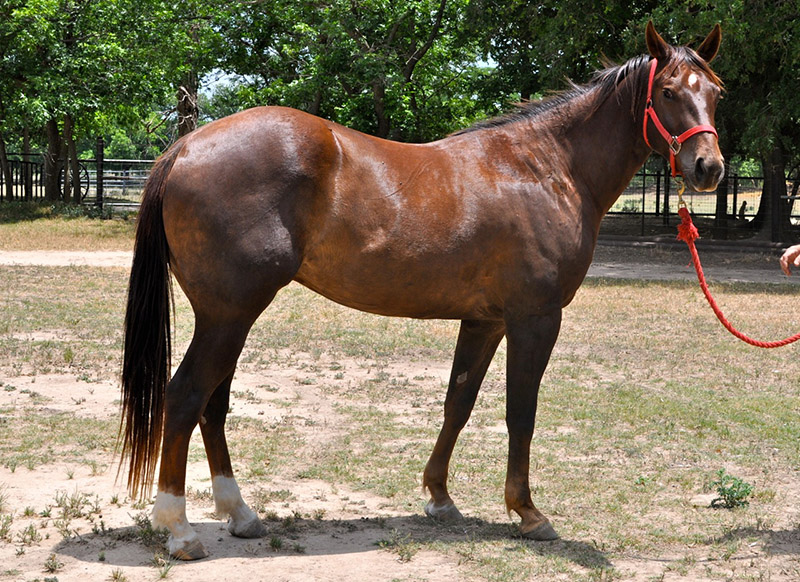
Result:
[{"x": 679, "y": 117}]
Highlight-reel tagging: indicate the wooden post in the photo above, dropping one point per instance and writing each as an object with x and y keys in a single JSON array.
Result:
[{"x": 98, "y": 185}]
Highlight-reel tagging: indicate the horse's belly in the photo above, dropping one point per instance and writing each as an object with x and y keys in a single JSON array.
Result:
[{"x": 420, "y": 291}]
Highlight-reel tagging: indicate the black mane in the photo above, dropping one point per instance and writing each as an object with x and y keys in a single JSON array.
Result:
[{"x": 606, "y": 81}]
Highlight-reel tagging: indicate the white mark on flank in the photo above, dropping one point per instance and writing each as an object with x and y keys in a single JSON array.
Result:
[
  {"x": 692, "y": 80},
  {"x": 461, "y": 378}
]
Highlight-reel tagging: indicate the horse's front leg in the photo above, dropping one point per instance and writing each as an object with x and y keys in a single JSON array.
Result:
[
  {"x": 530, "y": 343},
  {"x": 477, "y": 343}
]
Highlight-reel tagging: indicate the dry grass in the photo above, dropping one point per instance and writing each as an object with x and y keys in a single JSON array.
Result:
[
  {"x": 645, "y": 399},
  {"x": 62, "y": 227}
]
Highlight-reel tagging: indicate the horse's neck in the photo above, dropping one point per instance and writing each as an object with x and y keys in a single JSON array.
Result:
[{"x": 604, "y": 148}]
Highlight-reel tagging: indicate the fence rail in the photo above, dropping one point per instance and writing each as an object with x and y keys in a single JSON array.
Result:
[
  {"x": 647, "y": 204},
  {"x": 655, "y": 193},
  {"x": 115, "y": 183}
]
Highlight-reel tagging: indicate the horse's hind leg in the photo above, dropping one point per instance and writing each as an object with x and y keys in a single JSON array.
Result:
[
  {"x": 210, "y": 359},
  {"x": 243, "y": 523},
  {"x": 477, "y": 343}
]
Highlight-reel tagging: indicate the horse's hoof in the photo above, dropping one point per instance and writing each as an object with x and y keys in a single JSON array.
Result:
[
  {"x": 253, "y": 528},
  {"x": 543, "y": 532},
  {"x": 445, "y": 513},
  {"x": 187, "y": 551}
]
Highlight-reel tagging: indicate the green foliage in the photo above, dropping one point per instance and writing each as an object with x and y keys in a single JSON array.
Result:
[
  {"x": 411, "y": 71},
  {"x": 88, "y": 60},
  {"x": 537, "y": 46},
  {"x": 53, "y": 564},
  {"x": 733, "y": 491},
  {"x": 396, "y": 69},
  {"x": 5, "y": 527}
]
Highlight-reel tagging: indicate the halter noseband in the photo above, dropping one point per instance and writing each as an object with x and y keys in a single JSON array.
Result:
[{"x": 673, "y": 141}]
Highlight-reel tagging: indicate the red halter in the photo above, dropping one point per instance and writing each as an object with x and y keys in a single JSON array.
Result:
[{"x": 673, "y": 141}]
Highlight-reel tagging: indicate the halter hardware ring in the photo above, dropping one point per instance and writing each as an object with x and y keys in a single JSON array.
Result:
[
  {"x": 681, "y": 189},
  {"x": 675, "y": 145}
]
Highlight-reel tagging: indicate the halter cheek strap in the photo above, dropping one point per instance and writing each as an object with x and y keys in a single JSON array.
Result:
[{"x": 673, "y": 141}]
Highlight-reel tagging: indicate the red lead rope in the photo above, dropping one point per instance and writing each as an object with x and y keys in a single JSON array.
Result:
[{"x": 687, "y": 232}]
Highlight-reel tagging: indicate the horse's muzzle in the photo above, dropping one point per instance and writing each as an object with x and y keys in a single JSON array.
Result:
[{"x": 707, "y": 173}]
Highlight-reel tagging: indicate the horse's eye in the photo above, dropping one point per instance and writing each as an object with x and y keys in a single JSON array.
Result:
[{"x": 668, "y": 93}]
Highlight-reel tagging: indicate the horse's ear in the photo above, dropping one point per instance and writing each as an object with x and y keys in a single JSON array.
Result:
[
  {"x": 708, "y": 50},
  {"x": 657, "y": 46}
]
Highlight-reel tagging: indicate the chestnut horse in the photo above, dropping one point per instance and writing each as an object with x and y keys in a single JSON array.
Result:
[{"x": 494, "y": 225}]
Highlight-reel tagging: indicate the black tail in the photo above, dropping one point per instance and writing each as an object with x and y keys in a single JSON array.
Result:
[{"x": 147, "y": 358}]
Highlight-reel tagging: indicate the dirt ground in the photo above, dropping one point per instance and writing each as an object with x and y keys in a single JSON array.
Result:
[
  {"x": 101, "y": 541},
  {"x": 107, "y": 541}
]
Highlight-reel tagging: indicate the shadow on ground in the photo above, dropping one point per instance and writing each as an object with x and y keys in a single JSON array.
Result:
[{"x": 132, "y": 546}]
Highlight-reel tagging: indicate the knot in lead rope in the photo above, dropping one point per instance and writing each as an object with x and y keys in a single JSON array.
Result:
[{"x": 687, "y": 232}]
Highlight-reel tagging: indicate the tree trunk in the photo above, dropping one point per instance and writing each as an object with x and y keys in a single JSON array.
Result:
[
  {"x": 408, "y": 71},
  {"x": 51, "y": 162},
  {"x": 27, "y": 173},
  {"x": 188, "y": 112},
  {"x": 379, "y": 102},
  {"x": 316, "y": 103},
  {"x": 64, "y": 158},
  {"x": 720, "y": 230},
  {"x": 772, "y": 218},
  {"x": 5, "y": 168},
  {"x": 73, "y": 182}
]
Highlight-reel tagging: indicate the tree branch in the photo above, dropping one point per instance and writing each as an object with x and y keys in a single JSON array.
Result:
[{"x": 408, "y": 70}]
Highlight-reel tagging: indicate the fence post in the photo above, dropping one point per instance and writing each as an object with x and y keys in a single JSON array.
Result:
[
  {"x": 658, "y": 193},
  {"x": 644, "y": 197},
  {"x": 99, "y": 172}
]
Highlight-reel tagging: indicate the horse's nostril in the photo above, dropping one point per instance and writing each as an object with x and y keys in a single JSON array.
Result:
[
  {"x": 708, "y": 171},
  {"x": 700, "y": 168}
]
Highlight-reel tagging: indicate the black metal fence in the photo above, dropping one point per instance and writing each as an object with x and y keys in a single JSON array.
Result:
[
  {"x": 104, "y": 182},
  {"x": 656, "y": 194},
  {"x": 647, "y": 206}
]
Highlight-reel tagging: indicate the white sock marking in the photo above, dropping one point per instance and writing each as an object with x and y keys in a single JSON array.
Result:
[
  {"x": 169, "y": 511},
  {"x": 228, "y": 500}
]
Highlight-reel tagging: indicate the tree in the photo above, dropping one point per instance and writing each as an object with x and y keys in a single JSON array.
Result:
[
  {"x": 12, "y": 68},
  {"x": 539, "y": 46},
  {"x": 194, "y": 47},
  {"x": 81, "y": 68},
  {"x": 78, "y": 66},
  {"x": 393, "y": 69}
]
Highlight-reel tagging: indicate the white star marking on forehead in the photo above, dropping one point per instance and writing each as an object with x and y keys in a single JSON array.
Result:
[{"x": 692, "y": 80}]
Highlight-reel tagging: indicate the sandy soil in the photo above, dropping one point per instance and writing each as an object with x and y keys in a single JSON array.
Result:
[
  {"x": 343, "y": 541},
  {"x": 103, "y": 543}
]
